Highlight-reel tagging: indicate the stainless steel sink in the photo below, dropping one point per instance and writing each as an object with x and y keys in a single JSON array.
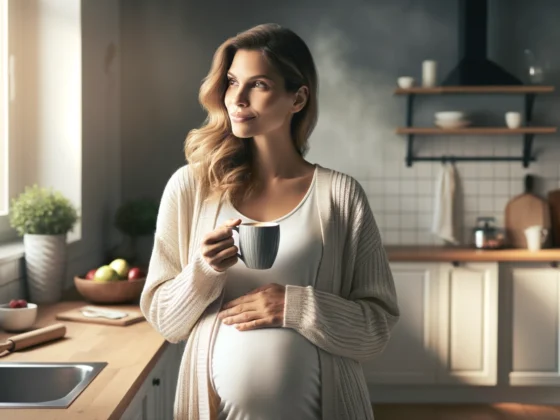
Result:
[{"x": 41, "y": 385}]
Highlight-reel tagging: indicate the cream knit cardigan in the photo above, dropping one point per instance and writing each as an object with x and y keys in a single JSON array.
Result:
[{"x": 348, "y": 313}]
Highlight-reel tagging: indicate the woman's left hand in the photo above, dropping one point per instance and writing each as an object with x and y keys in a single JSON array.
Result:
[{"x": 260, "y": 308}]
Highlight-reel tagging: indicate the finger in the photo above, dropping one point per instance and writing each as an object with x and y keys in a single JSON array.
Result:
[
  {"x": 241, "y": 318},
  {"x": 232, "y": 222},
  {"x": 211, "y": 250},
  {"x": 236, "y": 310},
  {"x": 261, "y": 289},
  {"x": 228, "y": 262},
  {"x": 217, "y": 235},
  {"x": 240, "y": 300},
  {"x": 224, "y": 255},
  {"x": 255, "y": 324}
]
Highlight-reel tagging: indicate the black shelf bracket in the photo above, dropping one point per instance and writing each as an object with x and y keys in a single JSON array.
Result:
[
  {"x": 408, "y": 123},
  {"x": 528, "y": 138}
]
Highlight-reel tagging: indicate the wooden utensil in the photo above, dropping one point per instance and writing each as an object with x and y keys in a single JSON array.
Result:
[
  {"x": 33, "y": 338},
  {"x": 523, "y": 211},
  {"x": 76, "y": 315},
  {"x": 554, "y": 204}
]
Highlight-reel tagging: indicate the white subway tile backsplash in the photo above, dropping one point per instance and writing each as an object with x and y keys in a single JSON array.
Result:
[
  {"x": 409, "y": 204},
  {"x": 408, "y": 221},
  {"x": 425, "y": 187},
  {"x": 392, "y": 221},
  {"x": 391, "y": 187},
  {"x": 391, "y": 204},
  {"x": 501, "y": 187},
  {"x": 409, "y": 237},
  {"x": 485, "y": 187}
]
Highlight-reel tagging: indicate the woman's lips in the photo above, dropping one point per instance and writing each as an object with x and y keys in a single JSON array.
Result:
[{"x": 241, "y": 119}]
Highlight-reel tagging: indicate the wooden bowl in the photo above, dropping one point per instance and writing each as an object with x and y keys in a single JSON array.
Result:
[{"x": 120, "y": 291}]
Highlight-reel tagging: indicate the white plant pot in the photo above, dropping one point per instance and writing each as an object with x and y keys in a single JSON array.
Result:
[{"x": 45, "y": 261}]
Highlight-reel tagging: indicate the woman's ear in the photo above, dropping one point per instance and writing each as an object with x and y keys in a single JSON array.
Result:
[{"x": 300, "y": 99}]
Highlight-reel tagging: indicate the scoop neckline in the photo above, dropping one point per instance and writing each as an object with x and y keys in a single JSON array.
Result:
[{"x": 296, "y": 208}]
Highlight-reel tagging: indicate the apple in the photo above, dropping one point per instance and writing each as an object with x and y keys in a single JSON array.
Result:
[
  {"x": 18, "y": 303},
  {"x": 135, "y": 273},
  {"x": 121, "y": 267},
  {"x": 105, "y": 274},
  {"x": 91, "y": 273}
]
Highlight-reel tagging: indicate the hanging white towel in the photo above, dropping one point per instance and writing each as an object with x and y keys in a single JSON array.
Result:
[{"x": 443, "y": 224}]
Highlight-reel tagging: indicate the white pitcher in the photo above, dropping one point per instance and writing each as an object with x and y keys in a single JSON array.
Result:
[{"x": 535, "y": 236}]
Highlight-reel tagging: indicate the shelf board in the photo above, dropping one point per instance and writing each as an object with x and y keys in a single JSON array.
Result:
[
  {"x": 476, "y": 130},
  {"x": 474, "y": 89}
]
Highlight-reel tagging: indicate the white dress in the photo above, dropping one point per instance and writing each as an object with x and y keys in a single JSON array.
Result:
[{"x": 271, "y": 373}]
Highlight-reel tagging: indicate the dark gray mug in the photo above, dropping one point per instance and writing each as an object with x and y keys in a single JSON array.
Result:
[{"x": 258, "y": 244}]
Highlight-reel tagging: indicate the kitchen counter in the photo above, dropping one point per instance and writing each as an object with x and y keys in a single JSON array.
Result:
[
  {"x": 456, "y": 254},
  {"x": 131, "y": 353}
]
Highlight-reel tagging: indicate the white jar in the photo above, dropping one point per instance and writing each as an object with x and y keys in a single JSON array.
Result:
[{"x": 429, "y": 73}]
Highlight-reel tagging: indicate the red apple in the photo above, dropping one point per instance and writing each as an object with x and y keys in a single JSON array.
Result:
[
  {"x": 135, "y": 273},
  {"x": 91, "y": 273},
  {"x": 18, "y": 303}
]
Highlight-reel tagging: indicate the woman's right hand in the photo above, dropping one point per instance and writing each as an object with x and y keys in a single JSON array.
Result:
[{"x": 218, "y": 248}]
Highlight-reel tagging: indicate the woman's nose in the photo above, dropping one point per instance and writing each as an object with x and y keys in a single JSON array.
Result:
[{"x": 241, "y": 97}]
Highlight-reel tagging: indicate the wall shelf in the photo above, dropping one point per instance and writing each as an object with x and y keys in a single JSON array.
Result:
[
  {"x": 528, "y": 132},
  {"x": 475, "y": 130},
  {"x": 438, "y": 90}
]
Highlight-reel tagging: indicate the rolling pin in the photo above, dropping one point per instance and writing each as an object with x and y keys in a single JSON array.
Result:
[{"x": 33, "y": 338}]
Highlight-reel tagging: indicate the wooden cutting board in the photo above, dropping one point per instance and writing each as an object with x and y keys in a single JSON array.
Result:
[
  {"x": 525, "y": 210},
  {"x": 554, "y": 204},
  {"x": 133, "y": 316}
]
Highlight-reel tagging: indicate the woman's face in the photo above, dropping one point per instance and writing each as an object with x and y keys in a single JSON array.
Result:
[{"x": 256, "y": 99}]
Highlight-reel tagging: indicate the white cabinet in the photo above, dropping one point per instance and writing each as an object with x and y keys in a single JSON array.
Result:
[
  {"x": 535, "y": 309},
  {"x": 155, "y": 398},
  {"x": 468, "y": 324},
  {"x": 447, "y": 332},
  {"x": 408, "y": 357}
]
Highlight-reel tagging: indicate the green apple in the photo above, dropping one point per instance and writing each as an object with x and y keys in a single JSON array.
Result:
[
  {"x": 105, "y": 274},
  {"x": 121, "y": 267}
]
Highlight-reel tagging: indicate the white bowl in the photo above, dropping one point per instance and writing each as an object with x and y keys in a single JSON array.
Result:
[
  {"x": 405, "y": 82},
  {"x": 17, "y": 319},
  {"x": 452, "y": 124},
  {"x": 449, "y": 115}
]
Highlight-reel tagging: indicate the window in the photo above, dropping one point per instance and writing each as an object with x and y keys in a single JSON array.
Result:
[
  {"x": 4, "y": 125},
  {"x": 3, "y": 108}
]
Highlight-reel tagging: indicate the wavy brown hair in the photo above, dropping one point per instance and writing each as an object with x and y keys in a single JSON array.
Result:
[{"x": 220, "y": 160}]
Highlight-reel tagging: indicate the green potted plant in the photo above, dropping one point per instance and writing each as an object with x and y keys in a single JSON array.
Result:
[
  {"x": 136, "y": 220},
  {"x": 43, "y": 217}
]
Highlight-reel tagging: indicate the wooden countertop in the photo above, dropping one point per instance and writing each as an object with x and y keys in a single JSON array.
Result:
[
  {"x": 452, "y": 254},
  {"x": 131, "y": 353}
]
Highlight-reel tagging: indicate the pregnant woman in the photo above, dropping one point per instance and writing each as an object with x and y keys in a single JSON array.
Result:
[{"x": 287, "y": 342}]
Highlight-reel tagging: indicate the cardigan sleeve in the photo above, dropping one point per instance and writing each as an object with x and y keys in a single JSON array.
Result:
[
  {"x": 357, "y": 327},
  {"x": 175, "y": 296}
]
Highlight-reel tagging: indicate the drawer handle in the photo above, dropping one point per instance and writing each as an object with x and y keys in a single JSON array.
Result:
[{"x": 155, "y": 382}]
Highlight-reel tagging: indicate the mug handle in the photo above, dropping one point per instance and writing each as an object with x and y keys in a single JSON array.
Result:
[
  {"x": 544, "y": 232},
  {"x": 236, "y": 228}
]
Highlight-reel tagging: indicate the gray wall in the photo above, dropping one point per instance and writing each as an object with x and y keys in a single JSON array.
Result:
[{"x": 360, "y": 49}]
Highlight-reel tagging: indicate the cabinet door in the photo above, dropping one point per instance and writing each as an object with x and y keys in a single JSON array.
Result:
[
  {"x": 535, "y": 304},
  {"x": 408, "y": 357},
  {"x": 164, "y": 382},
  {"x": 140, "y": 407},
  {"x": 468, "y": 324}
]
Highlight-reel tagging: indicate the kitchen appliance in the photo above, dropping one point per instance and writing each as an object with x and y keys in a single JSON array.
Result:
[
  {"x": 474, "y": 68},
  {"x": 523, "y": 211},
  {"x": 487, "y": 235}
]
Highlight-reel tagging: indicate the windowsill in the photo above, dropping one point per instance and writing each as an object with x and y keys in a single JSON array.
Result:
[{"x": 11, "y": 251}]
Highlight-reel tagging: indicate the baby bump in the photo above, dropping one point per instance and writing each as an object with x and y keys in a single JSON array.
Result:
[{"x": 265, "y": 370}]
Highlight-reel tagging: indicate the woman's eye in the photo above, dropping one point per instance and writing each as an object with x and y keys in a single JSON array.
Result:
[
  {"x": 260, "y": 84},
  {"x": 231, "y": 82}
]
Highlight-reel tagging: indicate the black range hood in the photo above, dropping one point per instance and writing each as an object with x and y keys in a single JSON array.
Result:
[{"x": 474, "y": 69}]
